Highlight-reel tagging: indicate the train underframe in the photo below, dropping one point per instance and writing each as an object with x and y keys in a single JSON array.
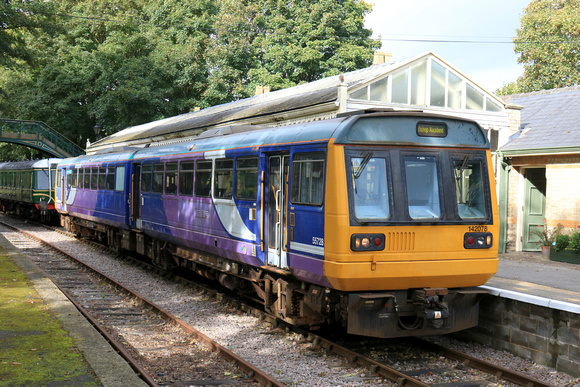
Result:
[
  {"x": 386, "y": 314},
  {"x": 43, "y": 214}
]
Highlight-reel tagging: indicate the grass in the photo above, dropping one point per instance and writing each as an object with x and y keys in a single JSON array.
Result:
[{"x": 34, "y": 349}]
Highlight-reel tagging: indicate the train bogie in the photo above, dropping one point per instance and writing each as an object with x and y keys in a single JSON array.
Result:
[{"x": 381, "y": 222}]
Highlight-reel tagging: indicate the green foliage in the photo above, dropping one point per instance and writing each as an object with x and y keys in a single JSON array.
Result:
[
  {"x": 562, "y": 242},
  {"x": 547, "y": 44},
  {"x": 575, "y": 242},
  {"x": 126, "y": 62},
  {"x": 508, "y": 89}
]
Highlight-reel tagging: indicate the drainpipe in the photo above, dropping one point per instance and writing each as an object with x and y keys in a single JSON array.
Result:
[{"x": 504, "y": 171}]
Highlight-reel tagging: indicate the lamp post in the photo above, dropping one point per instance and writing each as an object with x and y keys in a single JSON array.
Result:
[{"x": 97, "y": 130}]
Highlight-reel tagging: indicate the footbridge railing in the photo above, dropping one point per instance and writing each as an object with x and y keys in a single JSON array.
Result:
[{"x": 38, "y": 135}]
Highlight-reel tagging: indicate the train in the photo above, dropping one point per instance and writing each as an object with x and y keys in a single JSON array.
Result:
[
  {"x": 383, "y": 223},
  {"x": 27, "y": 188}
]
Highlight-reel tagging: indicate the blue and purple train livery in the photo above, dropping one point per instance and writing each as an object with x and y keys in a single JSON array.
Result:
[{"x": 377, "y": 221}]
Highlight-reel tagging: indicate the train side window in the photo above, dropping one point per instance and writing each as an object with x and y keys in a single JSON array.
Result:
[
  {"x": 203, "y": 178},
  {"x": 58, "y": 178},
  {"x": 186, "y": 178},
  {"x": 102, "y": 178},
  {"x": 75, "y": 178},
  {"x": 171, "y": 179},
  {"x": 308, "y": 179},
  {"x": 223, "y": 178},
  {"x": 146, "y": 178},
  {"x": 110, "y": 178},
  {"x": 94, "y": 178},
  {"x": 157, "y": 186},
  {"x": 247, "y": 178},
  {"x": 422, "y": 187},
  {"x": 69, "y": 173},
  {"x": 371, "y": 187},
  {"x": 87, "y": 179},
  {"x": 469, "y": 189},
  {"x": 120, "y": 179}
]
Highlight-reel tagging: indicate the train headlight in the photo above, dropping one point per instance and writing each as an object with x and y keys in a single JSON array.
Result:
[
  {"x": 367, "y": 242},
  {"x": 477, "y": 240}
]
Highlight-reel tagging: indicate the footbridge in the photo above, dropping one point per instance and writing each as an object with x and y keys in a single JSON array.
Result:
[{"x": 38, "y": 135}]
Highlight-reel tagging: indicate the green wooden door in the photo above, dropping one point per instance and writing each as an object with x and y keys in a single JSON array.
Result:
[{"x": 534, "y": 207}]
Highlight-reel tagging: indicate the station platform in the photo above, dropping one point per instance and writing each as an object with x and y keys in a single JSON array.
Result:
[
  {"x": 102, "y": 367},
  {"x": 530, "y": 277}
]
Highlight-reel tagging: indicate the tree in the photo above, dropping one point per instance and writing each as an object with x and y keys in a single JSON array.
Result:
[
  {"x": 547, "y": 43},
  {"x": 17, "y": 18},
  {"x": 120, "y": 63}
]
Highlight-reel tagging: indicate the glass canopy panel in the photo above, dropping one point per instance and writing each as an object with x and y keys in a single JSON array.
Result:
[
  {"x": 400, "y": 87},
  {"x": 491, "y": 105},
  {"x": 454, "y": 91},
  {"x": 419, "y": 84},
  {"x": 473, "y": 99},
  {"x": 437, "y": 84},
  {"x": 378, "y": 90},
  {"x": 360, "y": 94}
]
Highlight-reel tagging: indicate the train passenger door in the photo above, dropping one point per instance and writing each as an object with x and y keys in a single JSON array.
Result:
[
  {"x": 276, "y": 210},
  {"x": 136, "y": 197}
]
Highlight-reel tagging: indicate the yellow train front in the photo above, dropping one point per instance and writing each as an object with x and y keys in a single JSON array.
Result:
[{"x": 411, "y": 223}]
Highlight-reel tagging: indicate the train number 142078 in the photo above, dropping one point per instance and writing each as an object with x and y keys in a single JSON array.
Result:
[{"x": 477, "y": 228}]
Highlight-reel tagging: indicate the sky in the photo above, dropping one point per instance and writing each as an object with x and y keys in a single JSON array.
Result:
[{"x": 495, "y": 22}]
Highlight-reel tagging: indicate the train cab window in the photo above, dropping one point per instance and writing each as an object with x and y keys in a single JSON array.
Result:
[
  {"x": 247, "y": 178},
  {"x": 120, "y": 179},
  {"x": 69, "y": 174},
  {"x": 94, "y": 178},
  {"x": 223, "y": 178},
  {"x": 186, "y": 178},
  {"x": 370, "y": 186},
  {"x": 422, "y": 187},
  {"x": 146, "y": 178},
  {"x": 171, "y": 179},
  {"x": 110, "y": 178},
  {"x": 157, "y": 184},
  {"x": 58, "y": 178},
  {"x": 203, "y": 178},
  {"x": 102, "y": 178},
  {"x": 87, "y": 178},
  {"x": 469, "y": 189},
  {"x": 308, "y": 179}
]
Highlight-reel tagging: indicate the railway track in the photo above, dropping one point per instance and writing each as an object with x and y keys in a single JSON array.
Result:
[
  {"x": 160, "y": 348},
  {"x": 457, "y": 368}
]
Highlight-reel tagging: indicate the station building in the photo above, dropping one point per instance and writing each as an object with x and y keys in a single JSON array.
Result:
[
  {"x": 542, "y": 166},
  {"x": 424, "y": 83}
]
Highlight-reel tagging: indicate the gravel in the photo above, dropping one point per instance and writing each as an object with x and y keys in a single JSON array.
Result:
[{"x": 283, "y": 355}]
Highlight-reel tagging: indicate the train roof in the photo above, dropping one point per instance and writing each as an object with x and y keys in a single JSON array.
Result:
[
  {"x": 125, "y": 154},
  {"x": 28, "y": 164},
  {"x": 390, "y": 128}
]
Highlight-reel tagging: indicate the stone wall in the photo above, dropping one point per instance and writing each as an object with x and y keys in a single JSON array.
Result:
[{"x": 542, "y": 334}]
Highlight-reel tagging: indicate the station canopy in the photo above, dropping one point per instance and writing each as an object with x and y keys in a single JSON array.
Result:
[{"x": 423, "y": 83}]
